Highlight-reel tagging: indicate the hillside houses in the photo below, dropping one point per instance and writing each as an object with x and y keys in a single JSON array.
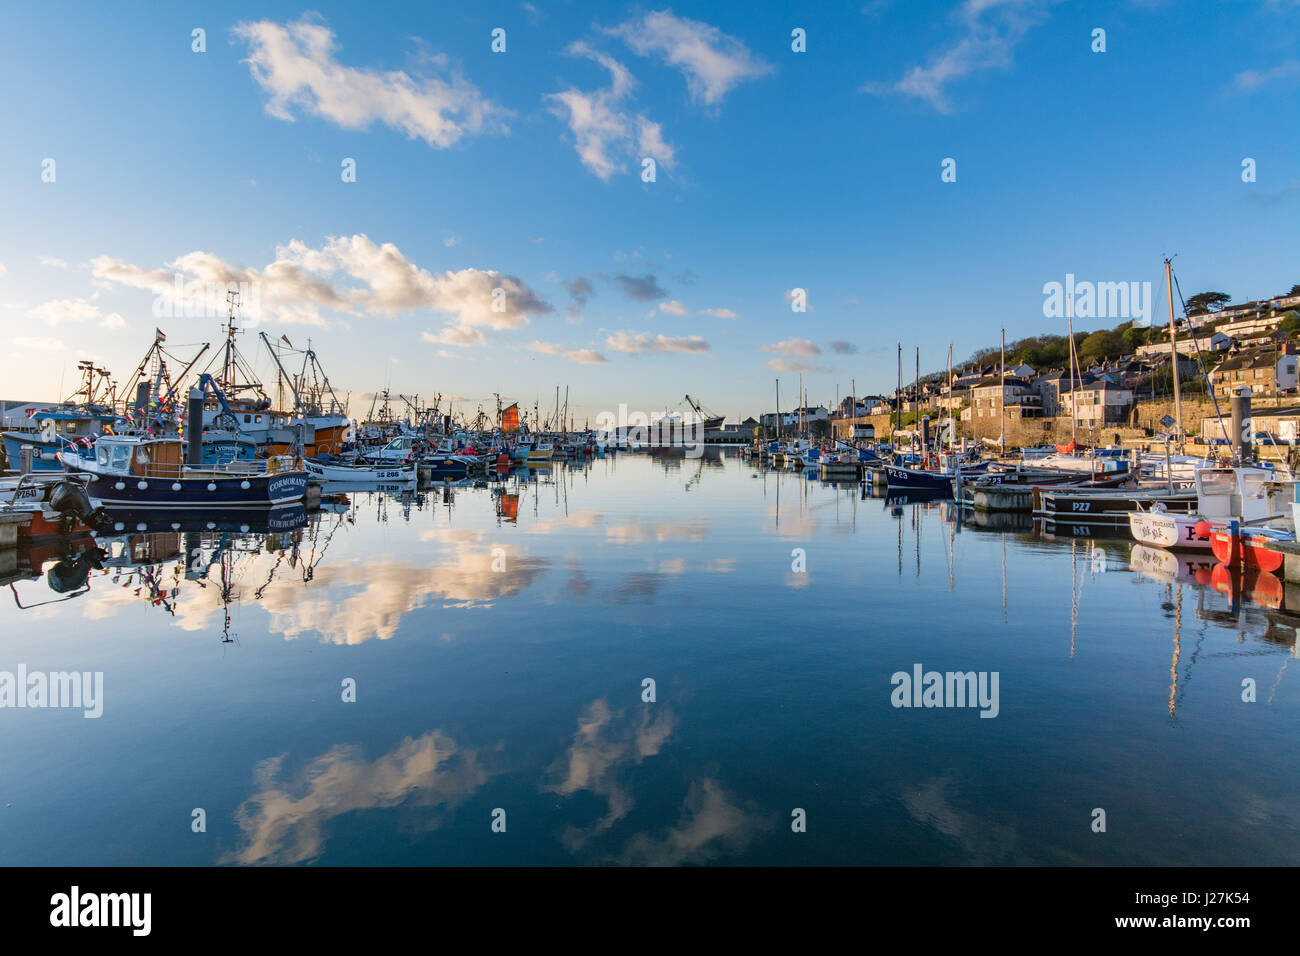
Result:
[
  {"x": 1266, "y": 371},
  {"x": 1251, "y": 343}
]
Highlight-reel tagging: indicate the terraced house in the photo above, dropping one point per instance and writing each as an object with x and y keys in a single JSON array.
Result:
[{"x": 1270, "y": 370}]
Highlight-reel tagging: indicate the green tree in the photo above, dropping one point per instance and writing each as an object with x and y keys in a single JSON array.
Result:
[
  {"x": 1100, "y": 344},
  {"x": 1134, "y": 336},
  {"x": 1207, "y": 302}
]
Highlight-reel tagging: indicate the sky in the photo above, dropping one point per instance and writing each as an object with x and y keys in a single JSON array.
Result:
[{"x": 921, "y": 170}]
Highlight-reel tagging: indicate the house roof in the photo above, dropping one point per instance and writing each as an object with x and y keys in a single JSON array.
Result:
[
  {"x": 992, "y": 381},
  {"x": 1248, "y": 359},
  {"x": 1100, "y": 384}
]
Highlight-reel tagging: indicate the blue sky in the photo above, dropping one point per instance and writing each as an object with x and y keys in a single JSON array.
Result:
[{"x": 522, "y": 170}]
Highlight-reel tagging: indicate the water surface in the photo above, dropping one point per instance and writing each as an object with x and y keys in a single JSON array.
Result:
[{"x": 499, "y": 638}]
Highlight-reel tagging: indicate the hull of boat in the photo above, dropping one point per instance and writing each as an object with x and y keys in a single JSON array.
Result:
[
  {"x": 441, "y": 468},
  {"x": 365, "y": 473},
  {"x": 198, "y": 491},
  {"x": 919, "y": 480},
  {"x": 1251, "y": 548},
  {"x": 45, "y": 455},
  {"x": 1164, "y": 530}
]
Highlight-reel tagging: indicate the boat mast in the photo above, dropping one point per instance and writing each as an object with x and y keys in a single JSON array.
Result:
[
  {"x": 1069, "y": 319},
  {"x": 1173, "y": 349},
  {"x": 916, "y": 392},
  {"x": 898, "y": 395},
  {"x": 228, "y": 362},
  {"x": 951, "y": 424},
  {"x": 778, "y": 409},
  {"x": 1002, "y": 395}
]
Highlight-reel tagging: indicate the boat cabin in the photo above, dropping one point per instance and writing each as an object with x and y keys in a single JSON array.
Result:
[
  {"x": 1247, "y": 494},
  {"x": 144, "y": 458}
]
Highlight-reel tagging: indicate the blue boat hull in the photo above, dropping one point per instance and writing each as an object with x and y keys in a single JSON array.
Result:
[
  {"x": 918, "y": 480},
  {"x": 44, "y": 454},
  {"x": 117, "y": 491}
]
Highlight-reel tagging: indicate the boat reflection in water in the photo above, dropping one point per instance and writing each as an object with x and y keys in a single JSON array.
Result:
[{"x": 148, "y": 553}]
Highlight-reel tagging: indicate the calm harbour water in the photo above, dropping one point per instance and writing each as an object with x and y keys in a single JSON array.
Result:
[{"x": 499, "y": 663}]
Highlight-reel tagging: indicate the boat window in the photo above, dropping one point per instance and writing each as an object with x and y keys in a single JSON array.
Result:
[
  {"x": 247, "y": 419},
  {"x": 258, "y": 419},
  {"x": 1252, "y": 485},
  {"x": 101, "y": 455},
  {"x": 121, "y": 457},
  {"x": 395, "y": 444}
]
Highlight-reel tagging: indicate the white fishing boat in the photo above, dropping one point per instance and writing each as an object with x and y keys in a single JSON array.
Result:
[
  {"x": 1222, "y": 495},
  {"x": 395, "y": 473}
]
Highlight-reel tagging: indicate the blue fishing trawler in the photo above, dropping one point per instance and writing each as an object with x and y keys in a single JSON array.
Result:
[
  {"x": 143, "y": 472},
  {"x": 57, "y": 429}
]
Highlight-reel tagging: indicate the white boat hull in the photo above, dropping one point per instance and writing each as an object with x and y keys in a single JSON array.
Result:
[
  {"x": 1164, "y": 530},
  {"x": 351, "y": 473}
]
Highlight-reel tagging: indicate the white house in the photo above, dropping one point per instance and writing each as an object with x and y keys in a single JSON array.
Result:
[{"x": 1097, "y": 404}]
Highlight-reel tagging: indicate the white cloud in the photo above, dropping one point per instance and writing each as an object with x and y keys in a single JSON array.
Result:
[
  {"x": 802, "y": 347},
  {"x": 606, "y": 134},
  {"x": 57, "y": 311},
  {"x": 1250, "y": 80},
  {"x": 50, "y": 261},
  {"x": 992, "y": 28},
  {"x": 785, "y": 365},
  {"x": 455, "y": 335},
  {"x": 720, "y": 313},
  {"x": 672, "y": 307},
  {"x": 645, "y": 342},
  {"x": 349, "y": 274},
  {"x": 451, "y": 241},
  {"x": 712, "y": 62},
  {"x": 581, "y": 356},
  {"x": 39, "y": 344},
  {"x": 295, "y": 63}
]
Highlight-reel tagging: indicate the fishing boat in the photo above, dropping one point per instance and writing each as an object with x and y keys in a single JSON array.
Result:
[
  {"x": 137, "y": 471},
  {"x": 79, "y": 420},
  {"x": 1252, "y": 547},
  {"x": 45, "y": 504},
  {"x": 330, "y": 469},
  {"x": 444, "y": 467},
  {"x": 1110, "y": 506},
  {"x": 899, "y": 477},
  {"x": 1222, "y": 495},
  {"x": 939, "y": 476}
]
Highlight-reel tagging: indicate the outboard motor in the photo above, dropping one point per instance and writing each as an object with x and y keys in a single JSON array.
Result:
[{"x": 70, "y": 498}]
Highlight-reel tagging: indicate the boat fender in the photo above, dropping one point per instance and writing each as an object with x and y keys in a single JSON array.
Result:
[{"x": 1203, "y": 528}]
